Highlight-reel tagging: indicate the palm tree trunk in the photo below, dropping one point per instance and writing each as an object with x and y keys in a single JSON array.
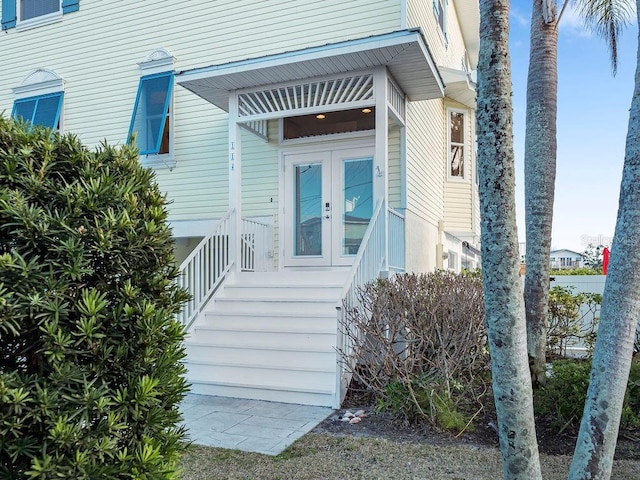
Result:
[
  {"x": 540, "y": 174},
  {"x": 619, "y": 315},
  {"x": 504, "y": 306}
]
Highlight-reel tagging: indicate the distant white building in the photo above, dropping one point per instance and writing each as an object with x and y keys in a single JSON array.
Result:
[{"x": 565, "y": 259}]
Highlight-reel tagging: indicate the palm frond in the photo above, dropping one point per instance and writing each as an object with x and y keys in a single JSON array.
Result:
[{"x": 607, "y": 18}]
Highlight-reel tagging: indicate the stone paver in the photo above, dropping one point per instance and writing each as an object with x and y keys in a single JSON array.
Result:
[{"x": 248, "y": 425}]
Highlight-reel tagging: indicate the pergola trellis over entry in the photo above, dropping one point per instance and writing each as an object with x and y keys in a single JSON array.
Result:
[{"x": 379, "y": 73}]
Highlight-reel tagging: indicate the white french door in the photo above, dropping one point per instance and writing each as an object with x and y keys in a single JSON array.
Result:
[{"x": 327, "y": 206}]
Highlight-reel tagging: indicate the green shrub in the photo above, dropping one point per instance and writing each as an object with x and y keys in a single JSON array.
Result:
[
  {"x": 631, "y": 409},
  {"x": 562, "y": 399},
  {"x": 567, "y": 323},
  {"x": 577, "y": 271},
  {"x": 425, "y": 396},
  {"x": 90, "y": 372}
]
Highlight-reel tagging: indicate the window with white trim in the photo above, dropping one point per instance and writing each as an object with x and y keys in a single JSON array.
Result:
[
  {"x": 440, "y": 12},
  {"x": 43, "y": 110},
  {"x": 151, "y": 126},
  {"x": 452, "y": 261},
  {"x": 37, "y": 8},
  {"x": 39, "y": 99},
  {"x": 456, "y": 138},
  {"x": 24, "y": 14},
  {"x": 151, "y": 120}
]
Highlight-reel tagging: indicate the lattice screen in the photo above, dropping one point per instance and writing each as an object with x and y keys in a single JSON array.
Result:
[{"x": 314, "y": 94}]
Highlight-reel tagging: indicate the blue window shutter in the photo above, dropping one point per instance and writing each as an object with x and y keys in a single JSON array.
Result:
[
  {"x": 8, "y": 14},
  {"x": 43, "y": 110},
  {"x": 69, "y": 6},
  {"x": 150, "y": 112}
]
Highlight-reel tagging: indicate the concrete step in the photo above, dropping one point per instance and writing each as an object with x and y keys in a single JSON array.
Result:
[
  {"x": 307, "y": 322},
  {"x": 263, "y": 337},
  {"x": 277, "y": 357},
  {"x": 269, "y": 336},
  {"x": 240, "y": 390},
  {"x": 260, "y": 375},
  {"x": 334, "y": 278},
  {"x": 264, "y": 305},
  {"x": 284, "y": 292}
]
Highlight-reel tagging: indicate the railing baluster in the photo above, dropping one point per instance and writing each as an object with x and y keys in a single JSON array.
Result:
[
  {"x": 366, "y": 267},
  {"x": 205, "y": 268}
]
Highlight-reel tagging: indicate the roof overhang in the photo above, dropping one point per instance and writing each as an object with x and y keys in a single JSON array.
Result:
[
  {"x": 468, "y": 12},
  {"x": 404, "y": 53},
  {"x": 460, "y": 86}
]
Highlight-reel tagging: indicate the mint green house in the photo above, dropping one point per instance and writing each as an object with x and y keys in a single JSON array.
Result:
[{"x": 307, "y": 147}]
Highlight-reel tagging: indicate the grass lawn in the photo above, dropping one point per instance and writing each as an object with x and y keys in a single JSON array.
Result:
[{"x": 323, "y": 456}]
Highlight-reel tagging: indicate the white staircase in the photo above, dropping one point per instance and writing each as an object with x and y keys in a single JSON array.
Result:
[{"x": 269, "y": 336}]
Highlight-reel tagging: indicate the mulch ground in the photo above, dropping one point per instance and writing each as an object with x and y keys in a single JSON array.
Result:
[{"x": 482, "y": 434}]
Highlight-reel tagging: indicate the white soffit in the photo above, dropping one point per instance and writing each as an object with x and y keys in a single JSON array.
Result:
[
  {"x": 459, "y": 86},
  {"x": 405, "y": 53},
  {"x": 468, "y": 12}
]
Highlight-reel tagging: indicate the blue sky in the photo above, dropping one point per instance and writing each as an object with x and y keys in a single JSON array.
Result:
[{"x": 593, "y": 113}]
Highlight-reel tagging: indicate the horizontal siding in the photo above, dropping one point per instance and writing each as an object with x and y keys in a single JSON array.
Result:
[
  {"x": 425, "y": 153},
  {"x": 458, "y": 214},
  {"x": 260, "y": 174},
  {"x": 460, "y": 196},
  {"x": 94, "y": 52},
  {"x": 420, "y": 14}
]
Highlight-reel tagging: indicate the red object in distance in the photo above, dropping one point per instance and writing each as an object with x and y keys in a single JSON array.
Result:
[{"x": 605, "y": 260}]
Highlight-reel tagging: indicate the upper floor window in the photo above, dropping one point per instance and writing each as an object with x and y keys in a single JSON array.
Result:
[
  {"x": 32, "y": 13},
  {"x": 440, "y": 12},
  {"x": 39, "y": 99},
  {"x": 38, "y": 8},
  {"x": 42, "y": 110},
  {"x": 457, "y": 157},
  {"x": 150, "y": 122},
  {"x": 152, "y": 118}
]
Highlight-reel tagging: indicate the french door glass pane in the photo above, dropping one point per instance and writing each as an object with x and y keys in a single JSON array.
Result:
[
  {"x": 308, "y": 209},
  {"x": 358, "y": 202}
]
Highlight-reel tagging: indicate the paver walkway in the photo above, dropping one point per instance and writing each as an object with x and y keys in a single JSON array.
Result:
[{"x": 248, "y": 425}]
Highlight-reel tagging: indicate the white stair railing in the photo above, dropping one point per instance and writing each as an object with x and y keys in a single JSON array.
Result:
[
  {"x": 203, "y": 271},
  {"x": 366, "y": 266},
  {"x": 257, "y": 246},
  {"x": 205, "y": 268},
  {"x": 396, "y": 261}
]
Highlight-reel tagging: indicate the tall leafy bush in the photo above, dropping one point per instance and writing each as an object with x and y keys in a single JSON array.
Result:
[{"x": 90, "y": 372}]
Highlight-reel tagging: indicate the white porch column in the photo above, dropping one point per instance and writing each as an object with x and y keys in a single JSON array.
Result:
[
  {"x": 381, "y": 163},
  {"x": 235, "y": 185}
]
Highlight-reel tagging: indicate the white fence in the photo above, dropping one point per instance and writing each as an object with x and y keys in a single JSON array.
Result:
[{"x": 581, "y": 284}]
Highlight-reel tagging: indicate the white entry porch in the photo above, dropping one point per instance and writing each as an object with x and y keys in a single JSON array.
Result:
[
  {"x": 268, "y": 302},
  {"x": 275, "y": 335}
]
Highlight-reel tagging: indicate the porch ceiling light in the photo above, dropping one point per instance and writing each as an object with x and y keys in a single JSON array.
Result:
[
  {"x": 321, "y": 116},
  {"x": 366, "y": 110}
]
